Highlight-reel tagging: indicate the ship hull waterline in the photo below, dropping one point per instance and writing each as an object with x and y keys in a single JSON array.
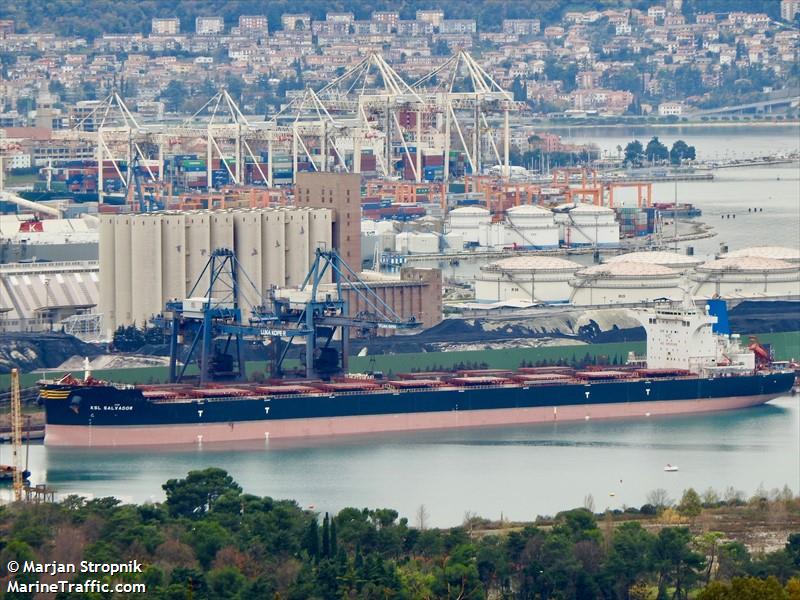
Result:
[{"x": 321, "y": 427}]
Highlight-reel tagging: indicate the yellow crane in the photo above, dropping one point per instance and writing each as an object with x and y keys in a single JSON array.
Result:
[{"x": 16, "y": 434}]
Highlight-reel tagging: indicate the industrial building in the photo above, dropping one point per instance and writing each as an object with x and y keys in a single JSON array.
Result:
[
  {"x": 746, "y": 277},
  {"x": 341, "y": 194},
  {"x": 36, "y": 296},
  {"x": 530, "y": 278},
  {"x": 624, "y": 283},
  {"x": 149, "y": 258}
]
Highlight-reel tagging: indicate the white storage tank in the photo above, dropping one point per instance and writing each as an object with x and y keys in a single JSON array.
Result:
[
  {"x": 297, "y": 259},
  {"x": 198, "y": 247},
  {"x": 624, "y": 283},
  {"x": 678, "y": 262},
  {"x": 247, "y": 240},
  {"x": 319, "y": 236},
  {"x": 173, "y": 254},
  {"x": 746, "y": 277},
  {"x": 106, "y": 251},
  {"x": 273, "y": 244},
  {"x": 454, "y": 242},
  {"x": 467, "y": 220},
  {"x": 146, "y": 268},
  {"x": 492, "y": 235},
  {"x": 587, "y": 225},
  {"x": 530, "y": 278},
  {"x": 530, "y": 226},
  {"x": 791, "y": 255},
  {"x": 409, "y": 242},
  {"x": 122, "y": 269}
]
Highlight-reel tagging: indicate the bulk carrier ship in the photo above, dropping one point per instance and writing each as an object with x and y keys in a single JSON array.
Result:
[{"x": 689, "y": 368}]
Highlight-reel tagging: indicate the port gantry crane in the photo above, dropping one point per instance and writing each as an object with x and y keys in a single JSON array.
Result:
[{"x": 318, "y": 314}]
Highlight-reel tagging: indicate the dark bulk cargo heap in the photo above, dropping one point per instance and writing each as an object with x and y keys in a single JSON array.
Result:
[{"x": 689, "y": 368}]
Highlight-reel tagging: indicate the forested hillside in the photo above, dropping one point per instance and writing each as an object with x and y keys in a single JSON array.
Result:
[{"x": 211, "y": 541}]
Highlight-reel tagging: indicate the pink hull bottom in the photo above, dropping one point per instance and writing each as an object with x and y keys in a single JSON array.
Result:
[{"x": 81, "y": 435}]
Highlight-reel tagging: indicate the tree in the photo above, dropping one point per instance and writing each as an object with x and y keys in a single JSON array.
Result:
[
  {"x": 196, "y": 494},
  {"x": 630, "y": 557},
  {"x": 690, "y": 505},
  {"x": 681, "y": 151},
  {"x": 676, "y": 563},
  {"x": 634, "y": 152},
  {"x": 174, "y": 95},
  {"x": 519, "y": 90},
  {"x": 656, "y": 151},
  {"x": 659, "y": 498}
]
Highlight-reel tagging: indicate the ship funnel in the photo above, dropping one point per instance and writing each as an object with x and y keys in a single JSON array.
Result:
[{"x": 87, "y": 371}]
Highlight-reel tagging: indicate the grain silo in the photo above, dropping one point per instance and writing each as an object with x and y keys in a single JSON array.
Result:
[
  {"x": 247, "y": 241},
  {"x": 297, "y": 258},
  {"x": 198, "y": 248},
  {"x": 222, "y": 230},
  {"x": 173, "y": 251},
  {"x": 273, "y": 245},
  {"x": 530, "y": 278},
  {"x": 319, "y": 234},
  {"x": 746, "y": 277},
  {"x": 146, "y": 268},
  {"x": 530, "y": 226},
  {"x": 467, "y": 220},
  {"x": 675, "y": 261},
  {"x": 107, "y": 301},
  {"x": 624, "y": 283},
  {"x": 122, "y": 270}
]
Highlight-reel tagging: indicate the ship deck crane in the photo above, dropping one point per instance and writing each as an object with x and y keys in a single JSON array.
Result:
[{"x": 322, "y": 319}]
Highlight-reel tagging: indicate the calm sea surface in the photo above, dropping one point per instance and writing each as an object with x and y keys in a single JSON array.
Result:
[{"x": 519, "y": 473}]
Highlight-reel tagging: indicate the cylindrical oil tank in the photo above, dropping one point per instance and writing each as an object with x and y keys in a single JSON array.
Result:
[
  {"x": 198, "y": 244},
  {"x": 319, "y": 234},
  {"x": 249, "y": 256},
  {"x": 173, "y": 256},
  {"x": 297, "y": 259},
  {"x": 273, "y": 245},
  {"x": 146, "y": 268},
  {"x": 122, "y": 270},
  {"x": 107, "y": 252}
]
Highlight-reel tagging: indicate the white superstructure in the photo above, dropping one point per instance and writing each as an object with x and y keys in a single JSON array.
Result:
[{"x": 682, "y": 337}]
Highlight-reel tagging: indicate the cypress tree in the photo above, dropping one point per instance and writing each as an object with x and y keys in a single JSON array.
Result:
[
  {"x": 334, "y": 541},
  {"x": 311, "y": 542},
  {"x": 326, "y": 537}
]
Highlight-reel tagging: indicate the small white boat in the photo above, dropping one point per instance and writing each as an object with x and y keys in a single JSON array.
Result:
[{"x": 671, "y": 468}]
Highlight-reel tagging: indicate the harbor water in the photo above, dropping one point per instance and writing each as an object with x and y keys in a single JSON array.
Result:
[
  {"x": 513, "y": 473},
  {"x": 519, "y": 473}
]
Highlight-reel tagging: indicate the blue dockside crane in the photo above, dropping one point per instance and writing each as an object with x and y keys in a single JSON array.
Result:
[{"x": 211, "y": 321}]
